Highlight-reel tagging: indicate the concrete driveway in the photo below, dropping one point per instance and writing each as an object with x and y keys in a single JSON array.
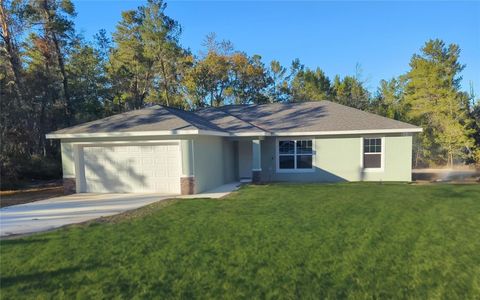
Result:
[{"x": 56, "y": 212}]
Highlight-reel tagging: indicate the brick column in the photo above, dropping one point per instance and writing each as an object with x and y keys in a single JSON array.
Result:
[
  {"x": 69, "y": 186},
  {"x": 256, "y": 177},
  {"x": 187, "y": 185}
]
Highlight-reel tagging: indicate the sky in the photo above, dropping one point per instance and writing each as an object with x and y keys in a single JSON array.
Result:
[{"x": 380, "y": 37}]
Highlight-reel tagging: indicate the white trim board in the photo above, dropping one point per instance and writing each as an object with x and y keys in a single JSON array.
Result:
[
  {"x": 225, "y": 134},
  {"x": 133, "y": 134},
  {"x": 347, "y": 132}
]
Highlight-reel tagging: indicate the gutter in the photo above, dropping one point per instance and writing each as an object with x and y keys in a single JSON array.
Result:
[{"x": 225, "y": 134}]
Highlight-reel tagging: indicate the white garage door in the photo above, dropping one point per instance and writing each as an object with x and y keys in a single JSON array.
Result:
[{"x": 132, "y": 169}]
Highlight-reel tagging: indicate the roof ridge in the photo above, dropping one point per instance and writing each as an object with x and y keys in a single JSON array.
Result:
[
  {"x": 210, "y": 124},
  {"x": 230, "y": 114}
]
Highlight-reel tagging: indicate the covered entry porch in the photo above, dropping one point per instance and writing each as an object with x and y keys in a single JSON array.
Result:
[{"x": 248, "y": 159}]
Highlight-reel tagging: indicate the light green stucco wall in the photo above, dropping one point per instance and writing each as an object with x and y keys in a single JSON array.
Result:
[
  {"x": 214, "y": 162},
  {"x": 256, "y": 155},
  {"x": 229, "y": 164},
  {"x": 245, "y": 158},
  {"x": 339, "y": 159},
  {"x": 186, "y": 147},
  {"x": 68, "y": 160},
  {"x": 398, "y": 160}
]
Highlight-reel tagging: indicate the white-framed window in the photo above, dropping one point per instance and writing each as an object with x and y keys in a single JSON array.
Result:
[
  {"x": 373, "y": 153},
  {"x": 295, "y": 155}
]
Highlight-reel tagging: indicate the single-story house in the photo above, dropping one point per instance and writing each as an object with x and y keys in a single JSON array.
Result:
[{"x": 167, "y": 150}]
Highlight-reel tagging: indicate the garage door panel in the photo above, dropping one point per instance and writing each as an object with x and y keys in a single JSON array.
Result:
[{"x": 132, "y": 168}]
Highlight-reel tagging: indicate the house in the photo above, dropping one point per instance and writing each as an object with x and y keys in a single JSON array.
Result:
[{"x": 167, "y": 150}]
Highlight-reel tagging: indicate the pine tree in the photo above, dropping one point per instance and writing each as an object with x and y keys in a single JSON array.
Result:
[{"x": 434, "y": 101}]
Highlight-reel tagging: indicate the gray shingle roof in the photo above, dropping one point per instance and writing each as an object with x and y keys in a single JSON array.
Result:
[
  {"x": 156, "y": 118},
  {"x": 320, "y": 116},
  {"x": 311, "y": 116},
  {"x": 227, "y": 121}
]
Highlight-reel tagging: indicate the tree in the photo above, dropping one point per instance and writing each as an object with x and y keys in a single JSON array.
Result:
[
  {"x": 88, "y": 82},
  {"x": 295, "y": 68},
  {"x": 102, "y": 45},
  {"x": 208, "y": 79},
  {"x": 14, "y": 144},
  {"x": 475, "y": 114},
  {"x": 248, "y": 79},
  {"x": 388, "y": 101},
  {"x": 311, "y": 85},
  {"x": 222, "y": 76},
  {"x": 351, "y": 92},
  {"x": 11, "y": 25},
  {"x": 160, "y": 35},
  {"x": 434, "y": 101},
  {"x": 145, "y": 66},
  {"x": 57, "y": 31},
  {"x": 129, "y": 70},
  {"x": 278, "y": 88}
]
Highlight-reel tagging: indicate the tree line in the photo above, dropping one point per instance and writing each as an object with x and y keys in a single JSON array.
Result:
[{"x": 51, "y": 77}]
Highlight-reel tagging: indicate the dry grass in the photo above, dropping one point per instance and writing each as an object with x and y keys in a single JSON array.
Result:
[{"x": 8, "y": 198}]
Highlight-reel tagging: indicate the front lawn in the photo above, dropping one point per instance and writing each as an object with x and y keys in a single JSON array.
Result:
[{"x": 274, "y": 241}]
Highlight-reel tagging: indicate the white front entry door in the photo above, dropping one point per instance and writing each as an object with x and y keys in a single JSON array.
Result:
[{"x": 131, "y": 169}]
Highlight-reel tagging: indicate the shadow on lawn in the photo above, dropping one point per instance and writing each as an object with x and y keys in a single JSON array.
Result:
[
  {"x": 19, "y": 241},
  {"x": 41, "y": 279},
  {"x": 462, "y": 192}
]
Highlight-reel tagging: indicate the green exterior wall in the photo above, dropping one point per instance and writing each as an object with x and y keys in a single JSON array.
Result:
[
  {"x": 256, "y": 155},
  {"x": 245, "y": 158},
  {"x": 186, "y": 147},
  {"x": 68, "y": 160},
  {"x": 229, "y": 162},
  {"x": 340, "y": 159},
  {"x": 214, "y": 162}
]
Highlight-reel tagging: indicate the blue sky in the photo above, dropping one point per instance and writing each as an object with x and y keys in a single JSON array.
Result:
[{"x": 335, "y": 36}]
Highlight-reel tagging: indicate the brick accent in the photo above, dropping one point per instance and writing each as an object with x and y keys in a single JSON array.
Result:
[
  {"x": 256, "y": 177},
  {"x": 69, "y": 186},
  {"x": 187, "y": 185}
]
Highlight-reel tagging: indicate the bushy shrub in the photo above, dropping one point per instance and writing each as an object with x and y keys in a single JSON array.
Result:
[{"x": 39, "y": 167}]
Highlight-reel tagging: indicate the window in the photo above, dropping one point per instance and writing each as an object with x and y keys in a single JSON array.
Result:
[
  {"x": 295, "y": 155},
  {"x": 372, "y": 153}
]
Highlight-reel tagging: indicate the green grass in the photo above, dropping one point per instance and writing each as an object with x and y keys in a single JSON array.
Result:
[{"x": 274, "y": 241}]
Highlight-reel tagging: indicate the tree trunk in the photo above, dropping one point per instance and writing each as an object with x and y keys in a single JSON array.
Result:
[
  {"x": 165, "y": 82},
  {"x": 66, "y": 90},
  {"x": 43, "y": 107},
  {"x": 49, "y": 31},
  {"x": 12, "y": 54}
]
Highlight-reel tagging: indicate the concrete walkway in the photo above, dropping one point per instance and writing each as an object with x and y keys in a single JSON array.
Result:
[{"x": 59, "y": 211}]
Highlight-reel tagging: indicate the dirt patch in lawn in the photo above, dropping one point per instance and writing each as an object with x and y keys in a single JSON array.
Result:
[{"x": 8, "y": 198}]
